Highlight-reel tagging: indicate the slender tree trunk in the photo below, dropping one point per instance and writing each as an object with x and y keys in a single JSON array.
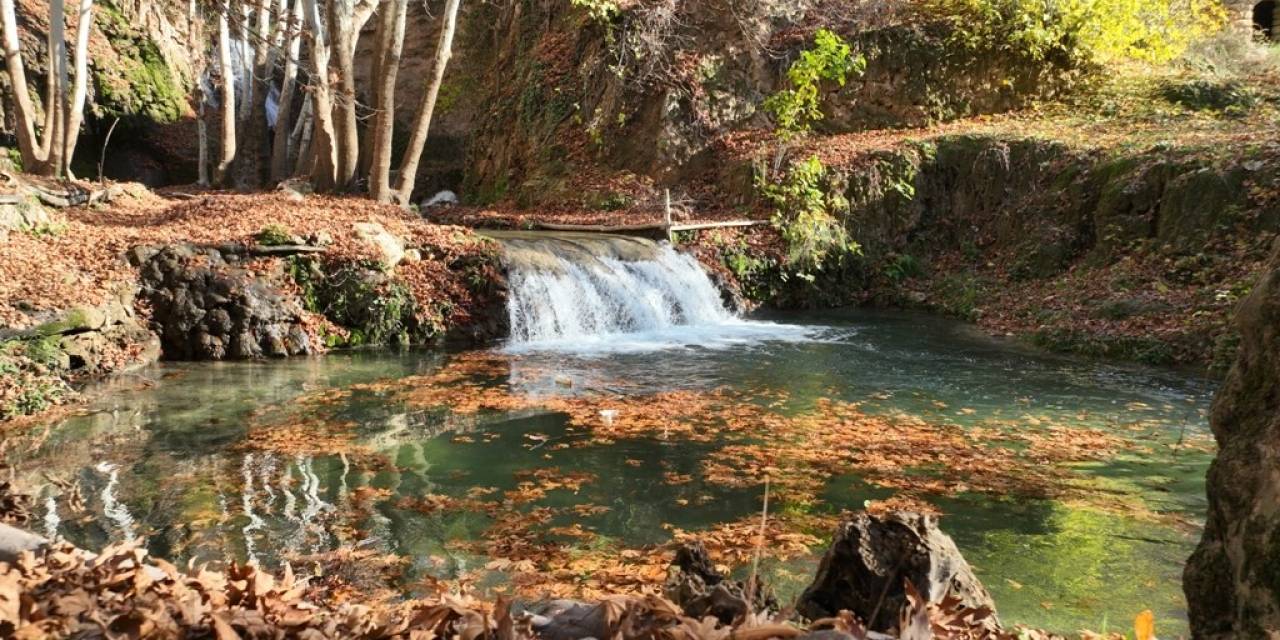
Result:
[
  {"x": 281, "y": 146},
  {"x": 56, "y": 106},
  {"x": 342, "y": 22},
  {"x": 247, "y": 52},
  {"x": 300, "y": 140},
  {"x": 422, "y": 124},
  {"x": 196, "y": 48},
  {"x": 253, "y": 153},
  {"x": 34, "y": 158},
  {"x": 386, "y": 65},
  {"x": 76, "y": 114},
  {"x": 323, "y": 151},
  {"x": 202, "y": 136},
  {"x": 363, "y": 11},
  {"x": 380, "y": 42},
  {"x": 222, "y": 173}
]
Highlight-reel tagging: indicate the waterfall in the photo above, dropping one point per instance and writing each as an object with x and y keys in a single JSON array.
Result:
[{"x": 573, "y": 287}]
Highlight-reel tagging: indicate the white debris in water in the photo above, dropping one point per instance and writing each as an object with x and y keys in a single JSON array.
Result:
[{"x": 112, "y": 508}]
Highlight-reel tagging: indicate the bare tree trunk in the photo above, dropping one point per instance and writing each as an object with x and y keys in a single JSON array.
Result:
[
  {"x": 386, "y": 66},
  {"x": 76, "y": 114},
  {"x": 380, "y": 35},
  {"x": 247, "y": 52},
  {"x": 253, "y": 152},
  {"x": 34, "y": 159},
  {"x": 422, "y": 125},
  {"x": 56, "y": 106},
  {"x": 281, "y": 146},
  {"x": 324, "y": 152},
  {"x": 300, "y": 140},
  {"x": 228, "y": 95},
  {"x": 342, "y": 22},
  {"x": 197, "y": 48},
  {"x": 363, "y": 11}
]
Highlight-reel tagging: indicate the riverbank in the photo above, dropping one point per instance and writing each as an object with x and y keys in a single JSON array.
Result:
[
  {"x": 92, "y": 291},
  {"x": 52, "y": 589}
]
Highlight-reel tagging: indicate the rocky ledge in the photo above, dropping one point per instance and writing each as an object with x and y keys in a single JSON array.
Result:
[
  {"x": 1232, "y": 581},
  {"x": 340, "y": 277}
]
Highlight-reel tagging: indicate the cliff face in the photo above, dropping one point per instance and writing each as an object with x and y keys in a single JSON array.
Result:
[
  {"x": 139, "y": 71},
  {"x": 1232, "y": 581},
  {"x": 656, "y": 89}
]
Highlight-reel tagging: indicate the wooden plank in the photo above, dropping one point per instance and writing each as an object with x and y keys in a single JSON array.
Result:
[
  {"x": 601, "y": 228},
  {"x": 651, "y": 226},
  {"x": 694, "y": 226}
]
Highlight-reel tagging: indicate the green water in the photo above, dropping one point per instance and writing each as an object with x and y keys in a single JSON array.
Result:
[{"x": 163, "y": 457}]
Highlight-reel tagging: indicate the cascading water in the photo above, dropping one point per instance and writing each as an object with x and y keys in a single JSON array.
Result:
[{"x": 578, "y": 290}]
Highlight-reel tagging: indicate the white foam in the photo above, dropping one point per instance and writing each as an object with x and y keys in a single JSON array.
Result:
[{"x": 569, "y": 302}]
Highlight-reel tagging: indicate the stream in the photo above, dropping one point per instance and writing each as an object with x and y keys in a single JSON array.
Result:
[
  {"x": 590, "y": 436},
  {"x": 161, "y": 457}
]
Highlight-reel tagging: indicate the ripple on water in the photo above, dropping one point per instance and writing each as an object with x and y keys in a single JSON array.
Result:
[{"x": 357, "y": 463}]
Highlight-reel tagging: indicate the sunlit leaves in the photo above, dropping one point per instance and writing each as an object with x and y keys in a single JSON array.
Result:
[{"x": 830, "y": 60}]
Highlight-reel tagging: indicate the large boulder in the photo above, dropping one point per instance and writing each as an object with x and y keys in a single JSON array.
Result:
[
  {"x": 1232, "y": 581},
  {"x": 207, "y": 305},
  {"x": 388, "y": 249},
  {"x": 871, "y": 560}
]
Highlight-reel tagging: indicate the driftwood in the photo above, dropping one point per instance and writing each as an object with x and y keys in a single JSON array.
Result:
[
  {"x": 281, "y": 250},
  {"x": 694, "y": 226},
  {"x": 71, "y": 195}
]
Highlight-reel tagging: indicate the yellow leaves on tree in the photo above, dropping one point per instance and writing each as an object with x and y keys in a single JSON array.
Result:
[{"x": 1082, "y": 32}]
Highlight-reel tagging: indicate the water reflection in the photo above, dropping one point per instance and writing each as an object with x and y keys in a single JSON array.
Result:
[{"x": 165, "y": 457}]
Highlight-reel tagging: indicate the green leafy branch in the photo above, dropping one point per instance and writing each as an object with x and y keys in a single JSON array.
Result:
[{"x": 830, "y": 59}]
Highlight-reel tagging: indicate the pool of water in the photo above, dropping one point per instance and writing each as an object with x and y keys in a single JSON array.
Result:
[{"x": 454, "y": 459}]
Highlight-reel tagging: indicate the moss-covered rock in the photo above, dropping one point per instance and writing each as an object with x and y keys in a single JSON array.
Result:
[
  {"x": 138, "y": 82},
  {"x": 368, "y": 304}
]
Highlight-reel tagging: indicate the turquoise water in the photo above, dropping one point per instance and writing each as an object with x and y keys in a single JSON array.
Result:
[{"x": 275, "y": 460}]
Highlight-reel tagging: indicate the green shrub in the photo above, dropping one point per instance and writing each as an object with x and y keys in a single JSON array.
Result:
[
  {"x": 274, "y": 235},
  {"x": 830, "y": 59},
  {"x": 806, "y": 207},
  {"x": 901, "y": 267}
]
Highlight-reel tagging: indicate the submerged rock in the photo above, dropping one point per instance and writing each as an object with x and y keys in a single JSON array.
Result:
[
  {"x": 872, "y": 558},
  {"x": 701, "y": 591},
  {"x": 569, "y": 620},
  {"x": 1232, "y": 581}
]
